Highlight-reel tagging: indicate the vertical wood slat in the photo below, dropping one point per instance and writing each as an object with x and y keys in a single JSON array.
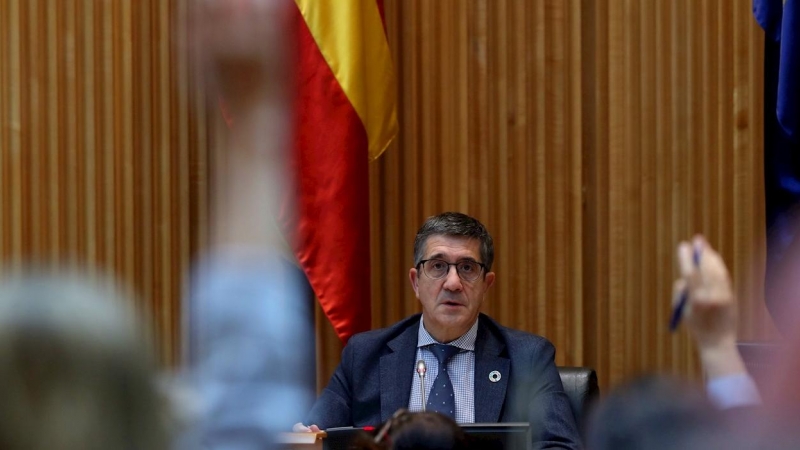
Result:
[{"x": 98, "y": 129}]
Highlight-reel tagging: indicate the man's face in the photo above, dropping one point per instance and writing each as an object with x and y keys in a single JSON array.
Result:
[{"x": 450, "y": 305}]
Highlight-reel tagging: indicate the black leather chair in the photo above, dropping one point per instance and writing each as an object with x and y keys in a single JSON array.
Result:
[{"x": 580, "y": 384}]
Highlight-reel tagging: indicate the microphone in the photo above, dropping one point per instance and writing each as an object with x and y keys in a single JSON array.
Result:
[{"x": 421, "y": 369}]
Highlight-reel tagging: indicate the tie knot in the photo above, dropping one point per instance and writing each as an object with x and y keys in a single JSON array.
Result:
[{"x": 444, "y": 352}]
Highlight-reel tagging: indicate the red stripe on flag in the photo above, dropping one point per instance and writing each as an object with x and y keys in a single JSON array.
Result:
[
  {"x": 381, "y": 11},
  {"x": 331, "y": 157}
]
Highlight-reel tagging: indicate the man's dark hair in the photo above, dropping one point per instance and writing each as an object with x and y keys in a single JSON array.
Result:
[
  {"x": 428, "y": 430},
  {"x": 455, "y": 224},
  {"x": 417, "y": 430}
]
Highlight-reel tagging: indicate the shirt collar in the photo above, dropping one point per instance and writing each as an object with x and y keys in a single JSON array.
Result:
[{"x": 465, "y": 342}]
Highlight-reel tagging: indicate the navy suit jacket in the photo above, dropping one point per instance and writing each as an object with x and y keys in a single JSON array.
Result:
[{"x": 374, "y": 379}]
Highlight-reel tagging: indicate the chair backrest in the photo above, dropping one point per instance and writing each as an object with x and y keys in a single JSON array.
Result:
[{"x": 580, "y": 384}]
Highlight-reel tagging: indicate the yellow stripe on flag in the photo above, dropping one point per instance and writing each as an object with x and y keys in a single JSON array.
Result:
[{"x": 350, "y": 35}]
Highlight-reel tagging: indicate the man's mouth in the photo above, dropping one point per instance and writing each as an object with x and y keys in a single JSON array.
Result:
[{"x": 452, "y": 303}]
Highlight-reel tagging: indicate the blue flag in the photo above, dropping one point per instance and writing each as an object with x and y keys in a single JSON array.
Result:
[
  {"x": 780, "y": 20},
  {"x": 781, "y": 23},
  {"x": 788, "y": 107}
]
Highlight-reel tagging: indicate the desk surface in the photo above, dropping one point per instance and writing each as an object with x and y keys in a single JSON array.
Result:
[{"x": 302, "y": 440}]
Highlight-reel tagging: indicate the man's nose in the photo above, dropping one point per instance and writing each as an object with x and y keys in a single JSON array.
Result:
[{"x": 452, "y": 282}]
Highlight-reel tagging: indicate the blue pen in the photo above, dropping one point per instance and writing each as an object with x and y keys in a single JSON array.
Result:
[{"x": 677, "y": 312}]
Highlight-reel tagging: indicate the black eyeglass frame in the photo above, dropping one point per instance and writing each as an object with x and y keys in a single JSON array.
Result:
[{"x": 482, "y": 266}]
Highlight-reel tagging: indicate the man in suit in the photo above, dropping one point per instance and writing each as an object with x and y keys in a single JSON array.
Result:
[{"x": 489, "y": 373}]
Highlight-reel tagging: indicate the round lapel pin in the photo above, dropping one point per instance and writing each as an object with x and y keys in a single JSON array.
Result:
[{"x": 494, "y": 376}]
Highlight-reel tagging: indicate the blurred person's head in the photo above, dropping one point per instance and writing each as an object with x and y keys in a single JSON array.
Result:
[
  {"x": 655, "y": 412},
  {"x": 427, "y": 430},
  {"x": 420, "y": 430},
  {"x": 73, "y": 371}
]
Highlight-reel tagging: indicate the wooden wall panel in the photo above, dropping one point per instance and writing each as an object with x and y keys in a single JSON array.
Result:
[
  {"x": 590, "y": 136},
  {"x": 680, "y": 86},
  {"x": 103, "y": 146}
]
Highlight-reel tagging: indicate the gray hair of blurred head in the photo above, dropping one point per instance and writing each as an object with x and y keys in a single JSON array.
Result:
[
  {"x": 458, "y": 225},
  {"x": 656, "y": 412},
  {"x": 74, "y": 372}
]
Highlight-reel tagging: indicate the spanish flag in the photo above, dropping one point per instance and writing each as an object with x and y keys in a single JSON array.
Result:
[{"x": 345, "y": 116}]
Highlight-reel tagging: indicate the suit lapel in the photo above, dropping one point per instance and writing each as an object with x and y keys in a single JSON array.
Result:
[
  {"x": 396, "y": 371},
  {"x": 489, "y": 396}
]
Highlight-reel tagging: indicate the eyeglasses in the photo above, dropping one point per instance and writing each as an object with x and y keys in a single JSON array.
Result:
[{"x": 467, "y": 269}]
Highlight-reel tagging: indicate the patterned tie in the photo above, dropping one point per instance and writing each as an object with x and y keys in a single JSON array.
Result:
[{"x": 441, "y": 398}]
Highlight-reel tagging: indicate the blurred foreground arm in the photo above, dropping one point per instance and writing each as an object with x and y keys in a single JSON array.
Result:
[
  {"x": 246, "y": 320},
  {"x": 241, "y": 52},
  {"x": 710, "y": 317}
]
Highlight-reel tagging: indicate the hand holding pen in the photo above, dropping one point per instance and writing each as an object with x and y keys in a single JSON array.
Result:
[{"x": 704, "y": 296}]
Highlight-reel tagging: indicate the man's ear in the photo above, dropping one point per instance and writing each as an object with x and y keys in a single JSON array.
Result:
[
  {"x": 412, "y": 277},
  {"x": 489, "y": 280}
]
